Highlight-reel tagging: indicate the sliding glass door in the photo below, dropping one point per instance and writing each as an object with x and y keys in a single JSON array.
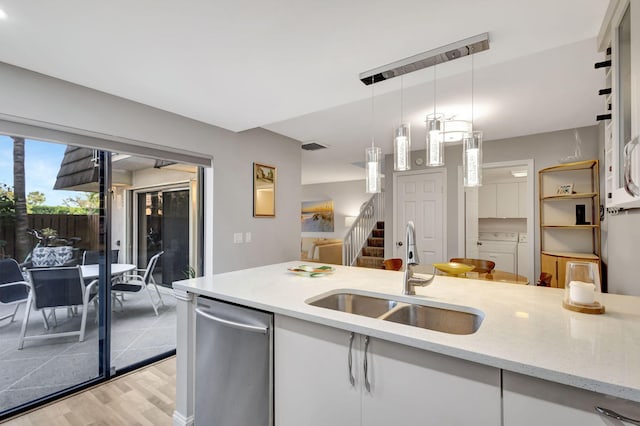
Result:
[
  {"x": 49, "y": 218},
  {"x": 163, "y": 225},
  {"x": 119, "y": 227}
]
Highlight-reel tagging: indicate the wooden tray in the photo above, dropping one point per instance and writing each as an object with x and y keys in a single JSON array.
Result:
[{"x": 592, "y": 308}]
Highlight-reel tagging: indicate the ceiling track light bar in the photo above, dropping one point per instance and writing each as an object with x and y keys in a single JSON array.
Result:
[{"x": 452, "y": 51}]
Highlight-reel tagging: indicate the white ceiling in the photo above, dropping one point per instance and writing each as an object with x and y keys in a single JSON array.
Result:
[{"x": 292, "y": 66}]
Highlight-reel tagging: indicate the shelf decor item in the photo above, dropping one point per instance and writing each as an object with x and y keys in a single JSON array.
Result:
[{"x": 565, "y": 189}]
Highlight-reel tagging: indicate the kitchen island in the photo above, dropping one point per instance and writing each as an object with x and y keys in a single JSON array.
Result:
[{"x": 525, "y": 333}]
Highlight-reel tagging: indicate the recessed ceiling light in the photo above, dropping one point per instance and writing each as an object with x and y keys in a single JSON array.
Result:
[{"x": 3, "y": 14}]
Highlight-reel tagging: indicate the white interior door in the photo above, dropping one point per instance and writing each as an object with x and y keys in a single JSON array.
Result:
[{"x": 420, "y": 198}]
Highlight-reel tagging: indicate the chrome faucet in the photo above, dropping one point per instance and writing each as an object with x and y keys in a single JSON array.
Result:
[{"x": 411, "y": 260}]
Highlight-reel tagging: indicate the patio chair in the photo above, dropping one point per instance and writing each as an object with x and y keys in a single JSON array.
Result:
[
  {"x": 14, "y": 290},
  {"x": 92, "y": 257},
  {"x": 133, "y": 283},
  {"x": 57, "y": 287}
]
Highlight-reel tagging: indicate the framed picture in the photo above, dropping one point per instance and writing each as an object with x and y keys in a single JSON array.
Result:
[
  {"x": 564, "y": 189},
  {"x": 317, "y": 216},
  {"x": 264, "y": 190}
]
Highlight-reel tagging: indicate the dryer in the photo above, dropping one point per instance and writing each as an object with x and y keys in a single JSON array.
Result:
[{"x": 501, "y": 248}]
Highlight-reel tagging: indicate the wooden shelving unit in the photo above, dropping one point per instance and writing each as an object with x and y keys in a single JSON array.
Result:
[{"x": 563, "y": 240}]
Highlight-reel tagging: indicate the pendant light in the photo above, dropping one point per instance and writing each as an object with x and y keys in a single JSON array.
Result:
[
  {"x": 373, "y": 158},
  {"x": 454, "y": 130},
  {"x": 472, "y": 148},
  {"x": 402, "y": 140},
  {"x": 435, "y": 143}
]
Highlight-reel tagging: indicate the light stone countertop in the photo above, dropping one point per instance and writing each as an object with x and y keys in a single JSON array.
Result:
[{"x": 525, "y": 329}]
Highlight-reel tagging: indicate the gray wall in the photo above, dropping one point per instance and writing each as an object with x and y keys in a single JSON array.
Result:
[
  {"x": 545, "y": 149},
  {"x": 25, "y": 95},
  {"x": 347, "y": 198}
]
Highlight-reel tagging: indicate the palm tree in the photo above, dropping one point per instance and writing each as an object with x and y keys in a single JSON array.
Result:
[{"x": 20, "y": 198}]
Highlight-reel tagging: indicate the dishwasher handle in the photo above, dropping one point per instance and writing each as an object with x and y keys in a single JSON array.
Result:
[{"x": 240, "y": 326}]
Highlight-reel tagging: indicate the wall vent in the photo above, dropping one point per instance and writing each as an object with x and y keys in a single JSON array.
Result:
[{"x": 312, "y": 146}]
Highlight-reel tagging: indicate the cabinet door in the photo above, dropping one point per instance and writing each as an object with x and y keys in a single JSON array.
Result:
[
  {"x": 507, "y": 199},
  {"x": 311, "y": 375},
  {"x": 529, "y": 401},
  {"x": 487, "y": 200},
  {"x": 549, "y": 264},
  {"x": 411, "y": 386},
  {"x": 522, "y": 199}
]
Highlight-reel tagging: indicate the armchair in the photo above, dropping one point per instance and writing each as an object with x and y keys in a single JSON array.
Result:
[
  {"x": 14, "y": 290},
  {"x": 133, "y": 283},
  {"x": 57, "y": 287}
]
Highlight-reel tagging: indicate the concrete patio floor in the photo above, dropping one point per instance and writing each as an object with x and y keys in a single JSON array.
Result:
[{"x": 50, "y": 365}]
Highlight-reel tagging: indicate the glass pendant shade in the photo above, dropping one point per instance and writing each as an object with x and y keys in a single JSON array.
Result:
[
  {"x": 373, "y": 169},
  {"x": 472, "y": 159},
  {"x": 454, "y": 130},
  {"x": 402, "y": 148},
  {"x": 435, "y": 144}
]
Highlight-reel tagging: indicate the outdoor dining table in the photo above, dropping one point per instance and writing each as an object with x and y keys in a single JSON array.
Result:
[{"x": 91, "y": 271}]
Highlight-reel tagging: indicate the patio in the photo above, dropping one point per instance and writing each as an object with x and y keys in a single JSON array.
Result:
[{"x": 51, "y": 365}]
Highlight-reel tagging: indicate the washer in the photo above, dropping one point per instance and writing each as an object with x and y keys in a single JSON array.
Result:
[{"x": 501, "y": 248}]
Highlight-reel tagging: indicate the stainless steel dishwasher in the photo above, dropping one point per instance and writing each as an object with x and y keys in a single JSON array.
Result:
[{"x": 234, "y": 365}]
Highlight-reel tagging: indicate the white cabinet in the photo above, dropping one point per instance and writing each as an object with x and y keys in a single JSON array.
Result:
[
  {"x": 522, "y": 199},
  {"x": 487, "y": 200},
  {"x": 406, "y": 385},
  {"x": 411, "y": 386},
  {"x": 528, "y": 401},
  {"x": 500, "y": 200},
  {"x": 507, "y": 204},
  {"x": 311, "y": 375}
]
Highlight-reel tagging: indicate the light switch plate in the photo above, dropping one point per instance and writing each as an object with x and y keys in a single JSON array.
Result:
[
  {"x": 237, "y": 238},
  {"x": 247, "y": 237}
]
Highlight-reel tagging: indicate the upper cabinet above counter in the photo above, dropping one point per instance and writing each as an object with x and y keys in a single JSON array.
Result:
[
  {"x": 619, "y": 40},
  {"x": 502, "y": 200}
]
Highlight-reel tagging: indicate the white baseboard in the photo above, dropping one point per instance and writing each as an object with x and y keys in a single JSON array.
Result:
[{"x": 180, "y": 420}]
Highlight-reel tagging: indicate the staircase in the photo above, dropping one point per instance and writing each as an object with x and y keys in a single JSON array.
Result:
[{"x": 372, "y": 254}]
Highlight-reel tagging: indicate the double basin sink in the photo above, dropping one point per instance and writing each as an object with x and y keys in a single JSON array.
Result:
[{"x": 435, "y": 318}]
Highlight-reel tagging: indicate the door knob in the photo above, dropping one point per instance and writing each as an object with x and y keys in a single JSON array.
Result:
[
  {"x": 399, "y": 243},
  {"x": 478, "y": 243}
]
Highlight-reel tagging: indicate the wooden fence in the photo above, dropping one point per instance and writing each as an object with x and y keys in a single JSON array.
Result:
[{"x": 84, "y": 227}]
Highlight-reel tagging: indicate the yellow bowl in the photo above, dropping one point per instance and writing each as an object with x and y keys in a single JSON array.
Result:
[{"x": 453, "y": 268}]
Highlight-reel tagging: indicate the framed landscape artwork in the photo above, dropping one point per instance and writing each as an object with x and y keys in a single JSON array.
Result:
[
  {"x": 317, "y": 216},
  {"x": 264, "y": 190}
]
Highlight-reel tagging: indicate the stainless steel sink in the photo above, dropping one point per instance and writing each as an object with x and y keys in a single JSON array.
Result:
[
  {"x": 441, "y": 319},
  {"x": 358, "y": 304},
  {"x": 438, "y": 319}
]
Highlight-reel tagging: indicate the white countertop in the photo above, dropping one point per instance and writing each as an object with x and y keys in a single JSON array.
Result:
[{"x": 525, "y": 329}]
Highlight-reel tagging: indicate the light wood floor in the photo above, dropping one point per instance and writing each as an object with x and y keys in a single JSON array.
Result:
[{"x": 143, "y": 397}]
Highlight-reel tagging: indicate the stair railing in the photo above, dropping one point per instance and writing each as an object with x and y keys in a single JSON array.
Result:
[{"x": 371, "y": 213}]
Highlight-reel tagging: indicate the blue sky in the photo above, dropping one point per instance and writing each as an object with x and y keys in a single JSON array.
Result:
[{"x": 42, "y": 161}]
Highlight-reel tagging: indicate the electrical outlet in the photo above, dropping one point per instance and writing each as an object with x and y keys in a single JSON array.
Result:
[
  {"x": 237, "y": 238},
  {"x": 247, "y": 237}
]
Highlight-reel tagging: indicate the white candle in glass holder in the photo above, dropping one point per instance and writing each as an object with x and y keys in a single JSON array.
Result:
[{"x": 581, "y": 292}]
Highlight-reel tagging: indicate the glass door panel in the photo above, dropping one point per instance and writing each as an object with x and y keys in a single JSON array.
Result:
[
  {"x": 158, "y": 238},
  {"x": 49, "y": 196}
]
